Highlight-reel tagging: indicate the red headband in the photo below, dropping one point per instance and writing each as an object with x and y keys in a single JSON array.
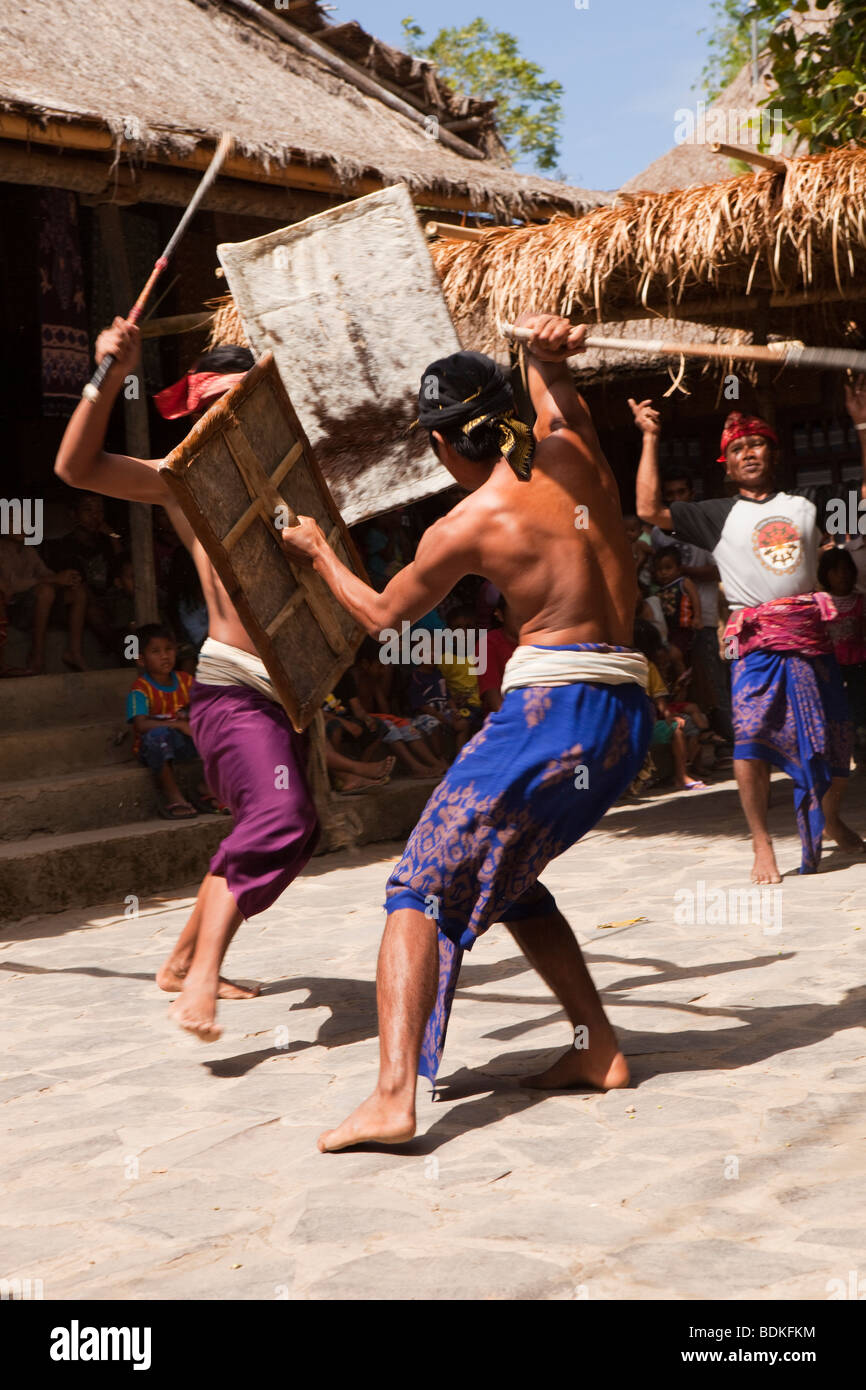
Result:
[
  {"x": 193, "y": 389},
  {"x": 737, "y": 425}
]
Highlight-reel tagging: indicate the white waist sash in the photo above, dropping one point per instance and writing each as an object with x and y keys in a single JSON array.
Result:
[
  {"x": 220, "y": 664},
  {"x": 553, "y": 666}
]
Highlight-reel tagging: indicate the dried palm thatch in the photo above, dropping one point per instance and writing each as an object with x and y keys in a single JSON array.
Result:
[
  {"x": 762, "y": 234},
  {"x": 200, "y": 67},
  {"x": 225, "y": 326}
]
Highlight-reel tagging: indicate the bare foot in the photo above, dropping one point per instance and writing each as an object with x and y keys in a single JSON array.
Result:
[
  {"x": 765, "y": 869},
  {"x": 576, "y": 1068},
  {"x": 376, "y": 1121},
  {"x": 172, "y": 981},
  {"x": 195, "y": 1011},
  {"x": 74, "y": 661},
  {"x": 845, "y": 837}
]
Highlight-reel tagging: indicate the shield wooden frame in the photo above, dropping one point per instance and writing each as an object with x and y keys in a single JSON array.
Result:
[{"x": 247, "y": 457}]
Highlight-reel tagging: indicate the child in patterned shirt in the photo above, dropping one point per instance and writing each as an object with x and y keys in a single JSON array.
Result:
[{"x": 157, "y": 707}]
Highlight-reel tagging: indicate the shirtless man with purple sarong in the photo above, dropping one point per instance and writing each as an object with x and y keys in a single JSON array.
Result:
[
  {"x": 240, "y": 729},
  {"x": 789, "y": 704},
  {"x": 571, "y": 734}
]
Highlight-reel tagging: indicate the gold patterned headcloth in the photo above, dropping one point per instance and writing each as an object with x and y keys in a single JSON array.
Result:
[{"x": 468, "y": 389}]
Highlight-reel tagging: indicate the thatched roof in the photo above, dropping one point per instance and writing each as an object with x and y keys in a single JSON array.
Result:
[
  {"x": 765, "y": 240},
  {"x": 166, "y": 77},
  {"x": 417, "y": 79}
]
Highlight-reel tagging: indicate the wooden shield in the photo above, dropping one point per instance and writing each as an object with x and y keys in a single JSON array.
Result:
[{"x": 245, "y": 459}]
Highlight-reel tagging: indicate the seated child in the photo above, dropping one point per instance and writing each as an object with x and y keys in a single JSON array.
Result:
[
  {"x": 370, "y": 731},
  {"x": 157, "y": 707},
  {"x": 432, "y": 710},
  {"x": 842, "y": 608},
  {"x": 679, "y": 599},
  {"x": 669, "y": 729},
  {"x": 641, "y": 547},
  {"x": 353, "y": 745},
  {"x": 29, "y": 593},
  {"x": 460, "y": 678},
  {"x": 352, "y": 760}
]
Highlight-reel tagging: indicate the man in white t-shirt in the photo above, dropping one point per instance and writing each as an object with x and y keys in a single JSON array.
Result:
[{"x": 789, "y": 706}]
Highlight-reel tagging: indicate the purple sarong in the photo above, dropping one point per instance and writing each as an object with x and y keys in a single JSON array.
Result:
[{"x": 255, "y": 763}]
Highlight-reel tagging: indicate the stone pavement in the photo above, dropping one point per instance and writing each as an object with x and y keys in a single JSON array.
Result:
[{"x": 139, "y": 1164}]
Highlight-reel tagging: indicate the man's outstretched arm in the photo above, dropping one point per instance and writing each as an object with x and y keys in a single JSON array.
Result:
[
  {"x": 648, "y": 492},
  {"x": 445, "y": 554},
  {"x": 81, "y": 459}
]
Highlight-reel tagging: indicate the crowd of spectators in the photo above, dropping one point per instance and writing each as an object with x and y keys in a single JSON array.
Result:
[{"x": 411, "y": 717}]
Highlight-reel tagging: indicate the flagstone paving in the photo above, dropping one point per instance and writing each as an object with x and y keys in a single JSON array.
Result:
[{"x": 139, "y": 1164}]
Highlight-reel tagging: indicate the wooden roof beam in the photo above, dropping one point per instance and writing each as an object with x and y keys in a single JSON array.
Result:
[
  {"x": 93, "y": 138},
  {"x": 749, "y": 156},
  {"x": 720, "y": 309}
]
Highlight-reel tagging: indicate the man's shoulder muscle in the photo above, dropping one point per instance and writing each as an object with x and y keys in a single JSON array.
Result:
[{"x": 452, "y": 538}]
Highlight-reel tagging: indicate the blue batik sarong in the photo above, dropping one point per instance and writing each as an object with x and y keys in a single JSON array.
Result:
[
  {"x": 537, "y": 776},
  {"x": 791, "y": 711}
]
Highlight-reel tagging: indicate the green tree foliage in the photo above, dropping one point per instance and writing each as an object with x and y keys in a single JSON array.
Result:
[
  {"x": 730, "y": 42},
  {"x": 818, "y": 74},
  {"x": 486, "y": 63}
]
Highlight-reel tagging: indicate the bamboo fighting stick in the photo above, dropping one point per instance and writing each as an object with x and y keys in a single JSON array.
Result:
[
  {"x": 784, "y": 355},
  {"x": 94, "y": 385}
]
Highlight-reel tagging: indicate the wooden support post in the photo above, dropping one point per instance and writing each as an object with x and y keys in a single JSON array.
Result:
[
  {"x": 764, "y": 392},
  {"x": 135, "y": 420}
]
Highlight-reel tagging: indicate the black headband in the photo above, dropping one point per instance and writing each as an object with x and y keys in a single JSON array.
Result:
[{"x": 468, "y": 389}]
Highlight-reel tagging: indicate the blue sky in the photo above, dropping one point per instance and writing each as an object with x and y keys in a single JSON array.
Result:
[{"x": 626, "y": 65}]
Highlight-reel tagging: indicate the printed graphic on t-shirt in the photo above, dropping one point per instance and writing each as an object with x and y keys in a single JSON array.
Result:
[{"x": 777, "y": 543}]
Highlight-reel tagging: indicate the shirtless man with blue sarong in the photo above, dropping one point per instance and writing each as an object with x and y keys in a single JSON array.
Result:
[{"x": 542, "y": 521}]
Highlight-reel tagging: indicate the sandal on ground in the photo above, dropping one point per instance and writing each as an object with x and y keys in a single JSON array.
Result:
[
  {"x": 178, "y": 810},
  {"x": 340, "y": 787},
  {"x": 209, "y": 805}
]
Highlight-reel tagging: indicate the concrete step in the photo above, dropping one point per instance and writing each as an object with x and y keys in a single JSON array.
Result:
[
  {"x": 30, "y": 753},
  {"x": 83, "y": 800},
  {"x": 31, "y": 702},
  {"x": 56, "y": 642},
  {"x": 49, "y": 873}
]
